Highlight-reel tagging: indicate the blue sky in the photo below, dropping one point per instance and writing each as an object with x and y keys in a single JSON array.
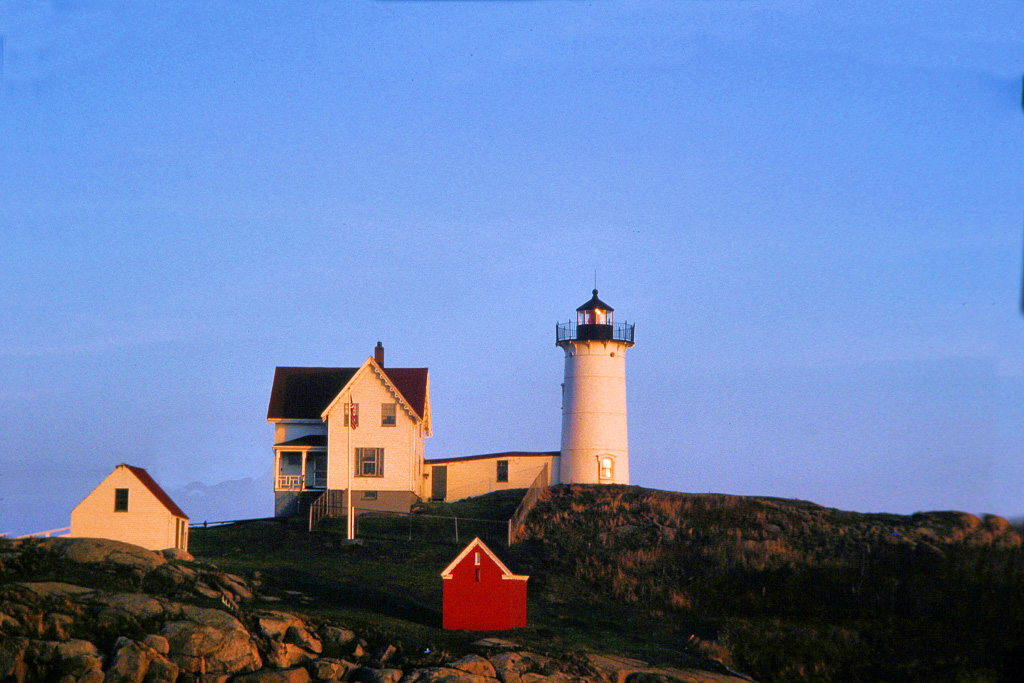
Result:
[{"x": 812, "y": 211}]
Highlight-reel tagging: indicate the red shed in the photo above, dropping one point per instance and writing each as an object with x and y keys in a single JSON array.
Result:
[{"x": 481, "y": 594}]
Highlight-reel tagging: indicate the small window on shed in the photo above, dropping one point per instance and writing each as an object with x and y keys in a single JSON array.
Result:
[
  {"x": 120, "y": 500},
  {"x": 502, "y": 470},
  {"x": 369, "y": 495}
]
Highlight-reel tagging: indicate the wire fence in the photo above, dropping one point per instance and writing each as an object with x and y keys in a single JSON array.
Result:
[{"x": 410, "y": 526}]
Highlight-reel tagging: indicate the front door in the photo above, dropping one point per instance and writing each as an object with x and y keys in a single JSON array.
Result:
[{"x": 440, "y": 482}]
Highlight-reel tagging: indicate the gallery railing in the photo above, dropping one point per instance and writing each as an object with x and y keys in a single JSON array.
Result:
[{"x": 571, "y": 331}]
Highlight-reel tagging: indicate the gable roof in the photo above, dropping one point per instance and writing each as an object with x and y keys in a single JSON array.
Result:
[
  {"x": 304, "y": 393},
  {"x": 477, "y": 543},
  {"x": 154, "y": 488}
]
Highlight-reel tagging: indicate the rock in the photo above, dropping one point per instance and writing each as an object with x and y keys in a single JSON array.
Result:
[
  {"x": 335, "y": 640},
  {"x": 158, "y": 643},
  {"x": 97, "y": 550},
  {"x": 275, "y": 625},
  {"x": 9, "y": 626},
  {"x": 57, "y": 626},
  {"x": 297, "y": 675},
  {"x": 55, "y": 589},
  {"x": 286, "y": 655},
  {"x": 327, "y": 669},
  {"x": 233, "y": 584},
  {"x": 210, "y": 641},
  {"x": 444, "y": 675},
  {"x": 496, "y": 644},
  {"x": 509, "y": 666},
  {"x": 135, "y": 662},
  {"x": 297, "y": 635},
  {"x": 474, "y": 664},
  {"x": 177, "y": 554},
  {"x": 206, "y": 591},
  {"x": 12, "y": 659},
  {"x": 383, "y": 655},
  {"x": 126, "y": 614},
  {"x": 369, "y": 675}
]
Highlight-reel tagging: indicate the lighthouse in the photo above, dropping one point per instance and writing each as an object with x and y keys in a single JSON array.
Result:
[{"x": 595, "y": 444}]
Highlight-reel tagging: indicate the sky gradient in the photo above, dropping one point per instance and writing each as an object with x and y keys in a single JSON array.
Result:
[{"x": 812, "y": 212}]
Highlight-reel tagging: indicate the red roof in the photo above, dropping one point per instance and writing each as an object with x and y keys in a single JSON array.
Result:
[
  {"x": 304, "y": 393},
  {"x": 154, "y": 488}
]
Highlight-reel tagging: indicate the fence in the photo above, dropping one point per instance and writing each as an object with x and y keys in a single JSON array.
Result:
[
  {"x": 537, "y": 491},
  {"x": 63, "y": 531},
  {"x": 205, "y": 524},
  {"x": 437, "y": 528},
  {"x": 331, "y": 503}
]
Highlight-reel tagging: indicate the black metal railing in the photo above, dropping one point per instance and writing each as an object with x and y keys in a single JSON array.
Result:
[{"x": 571, "y": 331}]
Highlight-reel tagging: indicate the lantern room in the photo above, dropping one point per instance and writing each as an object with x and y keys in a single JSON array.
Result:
[
  {"x": 594, "y": 321},
  {"x": 594, "y": 312}
]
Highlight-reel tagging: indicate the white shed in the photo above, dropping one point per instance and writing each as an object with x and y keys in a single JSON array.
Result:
[{"x": 129, "y": 506}]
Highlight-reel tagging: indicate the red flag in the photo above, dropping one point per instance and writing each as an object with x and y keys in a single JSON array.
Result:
[{"x": 353, "y": 415}]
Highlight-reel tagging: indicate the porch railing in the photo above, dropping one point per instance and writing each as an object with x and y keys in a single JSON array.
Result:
[
  {"x": 331, "y": 503},
  {"x": 299, "y": 482},
  {"x": 289, "y": 482}
]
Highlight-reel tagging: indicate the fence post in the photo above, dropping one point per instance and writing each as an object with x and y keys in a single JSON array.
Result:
[{"x": 456, "y": 529}]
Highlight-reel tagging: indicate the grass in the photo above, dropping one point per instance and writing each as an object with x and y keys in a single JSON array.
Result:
[{"x": 783, "y": 590}]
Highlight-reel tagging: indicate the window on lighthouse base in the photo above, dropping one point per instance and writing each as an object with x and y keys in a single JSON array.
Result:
[{"x": 607, "y": 467}]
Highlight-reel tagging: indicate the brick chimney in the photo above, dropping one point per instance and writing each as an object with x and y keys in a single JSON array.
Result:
[{"x": 378, "y": 354}]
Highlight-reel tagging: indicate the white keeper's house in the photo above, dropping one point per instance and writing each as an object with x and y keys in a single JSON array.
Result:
[{"x": 362, "y": 429}]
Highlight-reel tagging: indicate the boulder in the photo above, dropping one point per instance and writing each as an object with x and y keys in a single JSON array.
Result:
[
  {"x": 286, "y": 655},
  {"x": 298, "y": 635},
  {"x": 275, "y": 625},
  {"x": 158, "y": 643},
  {"x": 297, "y": 675},
  {"x": 328, "y": 669},
  {"x": 12, "y": 659},
  {"x": 177, "y": 554},
  {"x": 210, "y": 641},
  {"x": 335, "y": 640},
  {"x": 370, "y": 675},
  {"x": 102, "y": 550},
  {"x": 509, "y": 666},
  {"x": 444, "y": 674},
  {"x": 135, "y": 662},
  {"x": 474, "y": 664},
  {"x": 57, "y": 626}
]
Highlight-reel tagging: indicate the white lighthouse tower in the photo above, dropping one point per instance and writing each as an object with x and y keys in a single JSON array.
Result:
[{"x": 595, "y": 444}]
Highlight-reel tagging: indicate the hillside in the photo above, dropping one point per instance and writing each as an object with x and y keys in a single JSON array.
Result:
[
  {"x": 782, "y": 590},
  {"x": 698, "y": 585},
  {"x": 788, "y": 590}
]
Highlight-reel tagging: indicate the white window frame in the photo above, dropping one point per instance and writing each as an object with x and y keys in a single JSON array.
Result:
[
  {"x": 369, "y": 460},
  {"x": 388, "y": 414}
]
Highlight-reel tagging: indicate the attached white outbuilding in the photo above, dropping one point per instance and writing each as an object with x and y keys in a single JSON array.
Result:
[{"x": 129, "y": 506}]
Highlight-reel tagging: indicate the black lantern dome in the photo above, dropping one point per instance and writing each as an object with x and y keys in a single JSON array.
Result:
[{"x": 594, "y": 320}]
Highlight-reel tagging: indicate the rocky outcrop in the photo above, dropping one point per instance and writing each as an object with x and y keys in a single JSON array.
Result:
[{"x": 95, "y": 625}]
